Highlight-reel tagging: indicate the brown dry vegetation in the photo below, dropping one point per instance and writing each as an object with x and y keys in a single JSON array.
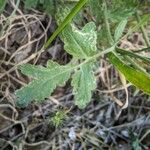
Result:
[{"x": 102, "y": 125}]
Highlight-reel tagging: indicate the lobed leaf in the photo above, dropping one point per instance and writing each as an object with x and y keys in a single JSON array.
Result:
[
  {"x": 83, "y": 82},
  {"x": 48, "y": 6},
  {"x": 80, "y": 43},
  {"x": 45, "y": 81}
]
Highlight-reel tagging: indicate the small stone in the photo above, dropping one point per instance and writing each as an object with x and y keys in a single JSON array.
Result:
[
  {"x": 72, "y": 134},
  {"x": 125, "y": 133}
]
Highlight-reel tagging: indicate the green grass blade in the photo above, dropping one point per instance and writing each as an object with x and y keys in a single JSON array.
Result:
[
  {"x": 134, "y": 55},
  {"x": 70, "y": 16},
  {"x": 136, "y": 77},
  {"x": 2, "y": 5}
]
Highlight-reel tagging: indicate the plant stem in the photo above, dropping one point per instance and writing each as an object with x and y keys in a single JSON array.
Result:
[
  {"x": 134, "y": 64},
  {"x": 141, "y": 50},
  {"x": 109, "y": 36},
  {"x": 145, "y": 36},
  {"x": 94, "y": 57},
  {"x": 67, "y": 20},
  {"x": 134, "y": 55}
]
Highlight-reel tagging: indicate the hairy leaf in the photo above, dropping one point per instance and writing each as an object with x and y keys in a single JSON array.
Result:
[
  {"x": 80, "y": 43},
  {"x": 83, "y": 82},
  {"x": 66, "y": 21},
  {"x": 62, "y": 10},
  {"x": 45, "y": 81}
]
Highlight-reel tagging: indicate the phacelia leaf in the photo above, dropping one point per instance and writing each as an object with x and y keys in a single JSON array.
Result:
[
  {"x": 80, "y": 43},
  {"x": 83, "y": 82},
  {"x": 45, "y": 81}
]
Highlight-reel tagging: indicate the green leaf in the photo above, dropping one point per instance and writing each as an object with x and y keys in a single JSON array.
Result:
[
  {"x": 30, "y": 3},
  {"x": 2, "y": 5},
  {"x": 47, "y": 78},
  {"x": 45, "y": 81},
  {"x": 120, "y": 13},
  {"x": 136, "y": 77},
  {"x": 96, "y": 9},
  {"x": 127, "y": 3},
  {"x": 62, "y": 10},
  {"x": 136, "y": 144},
  {"x": 119, "y": 30},
  {"x": 48, "y": 6},
  {"x": 134, "y": 141},
  {"x": 83, "y": 82},
  {"x": 80, "y": 43},
  {"x": 134, "y": 55},
  {"x": 66, "y": 21}
]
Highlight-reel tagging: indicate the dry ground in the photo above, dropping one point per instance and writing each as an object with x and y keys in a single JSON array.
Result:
[{"x": 102, "y": 125}]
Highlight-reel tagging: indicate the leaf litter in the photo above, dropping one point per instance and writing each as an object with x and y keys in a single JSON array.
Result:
[{"x": 91, "y": 128}]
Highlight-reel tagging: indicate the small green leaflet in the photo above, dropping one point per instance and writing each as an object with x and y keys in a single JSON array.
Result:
[
  {"x": 80, "y": 43},
  {"x": 119, "y": 30},
  {"x": 83, "y": 82},
  {"x": 136, "y": 143},
  {"x": 45, "y": 81}
]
